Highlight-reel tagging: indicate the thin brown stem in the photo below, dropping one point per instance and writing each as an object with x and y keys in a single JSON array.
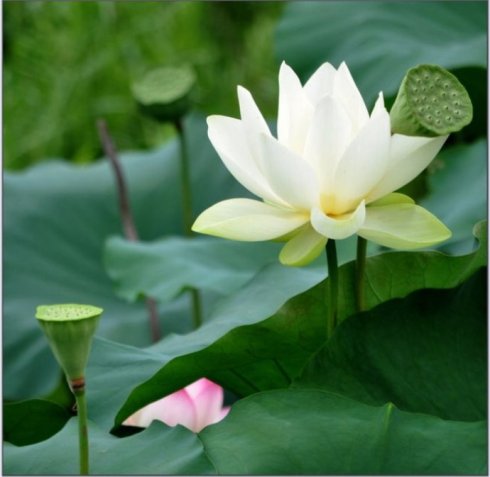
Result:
[
  {"x": 122, "y": 191},
  {"x": 126, "y": 216}
]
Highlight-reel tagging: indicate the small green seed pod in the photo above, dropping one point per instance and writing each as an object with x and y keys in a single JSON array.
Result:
[
  {"x": 165, "y": 94},
  {"x": 69, "y": 329},
  {"x": 430, "y": 102}
]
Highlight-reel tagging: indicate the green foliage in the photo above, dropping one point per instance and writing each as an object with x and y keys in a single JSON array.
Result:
[
  {"x": 425, "y": 353},
  {"x": 269, "y": 354},
  {"x": 312, "y": 432},
  {"x": 459, "y": 207},
  {"x": 164, "y": 268},
  {"x": 271, "y": 432},
  {"x": 57, "y": 218},
  {"x": 158, "y": 450},
  {"x": 66, "y": 65},
  {"x": 28, "y": 422}
]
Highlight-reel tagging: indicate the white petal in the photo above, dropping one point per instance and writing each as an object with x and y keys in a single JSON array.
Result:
[
  {"x": 250, "y": 113},
  {"x": 230, "y": 141},
  {"x": 338, "y": 227},
  {"x": 252, "y": 119},
  {"x": 320, "y": 83},
  {"x": 379, "y": 105},
  {"x": 363, "y": 164},
  {"x": 289, "y": 176},
  {"x": 403, "y": 226},
  {"x": 327, "y": 140},
  {"x": 346, "y": 90},
  {"x": 303, "y": 248},
  {"x": 248, "y": 220},
  {"x": 409, "y": 156},
  {"x": 294, "y": 112}
]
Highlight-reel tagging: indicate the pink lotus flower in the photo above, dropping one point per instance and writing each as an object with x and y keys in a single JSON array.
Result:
[{"x": 196, "y": 406}]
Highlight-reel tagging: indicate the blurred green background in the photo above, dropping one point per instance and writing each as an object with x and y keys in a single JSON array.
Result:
[{"x": 66, "y": 64}]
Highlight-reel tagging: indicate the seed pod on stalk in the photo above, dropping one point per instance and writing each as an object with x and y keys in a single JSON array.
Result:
[{"x": 69, "y": 329}]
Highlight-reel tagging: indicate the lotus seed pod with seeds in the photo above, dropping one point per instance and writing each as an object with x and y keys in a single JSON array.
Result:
[
  {"x": 70, "y": 329},
  {"x": 165, "y": 94},
  {"x": 430, "y": 102}
]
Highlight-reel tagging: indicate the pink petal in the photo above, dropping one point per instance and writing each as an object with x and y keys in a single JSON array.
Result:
[
  {"x": 195, "y": 407},
  {"x": 197, "y": 387},
  {"x": 223, "y": 413},
  {"x": 177, "y": 408},
  {"x": 208, "y": 401}
]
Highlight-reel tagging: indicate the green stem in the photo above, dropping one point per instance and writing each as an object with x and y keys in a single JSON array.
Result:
[
  {"x": 185, "y": 182},
  {"x": 82, "y": 429},
  {"x": 360, "y": 272},
  {"x": 333, "y": 289}
]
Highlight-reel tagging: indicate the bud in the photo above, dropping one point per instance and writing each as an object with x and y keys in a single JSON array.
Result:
[
  {"x": 165, "y": 93},
  {"x": 430, "y": 102},
  {"x": 69, "y": 329}
]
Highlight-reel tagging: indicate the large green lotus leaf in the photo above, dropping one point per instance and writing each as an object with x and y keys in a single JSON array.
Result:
[
  {"x": 245, "y": 351},
  {"x": 377, "y": 40},
  {"x": 28, "y": 422},
  {"x": 314, "y": 432},
  {"x": 289, "y": 431},
  {"x": 57, "y": 218},
  {"x": 218, "y": 350},
  {"x": 159, "y": 450},
  {"x": 241, "y": 347},
  {"x": 162, "y": 269},
  {"x": 425, "y": 353},
  {"x": 458, "y": 192}
]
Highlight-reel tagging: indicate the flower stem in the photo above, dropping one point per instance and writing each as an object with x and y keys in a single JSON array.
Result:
[
  {"x": 333, "y": 289},
  {"x": 360, "y": 272},
  {"x": 79, "y": 392},
  {"x": 185, "y": 183}
]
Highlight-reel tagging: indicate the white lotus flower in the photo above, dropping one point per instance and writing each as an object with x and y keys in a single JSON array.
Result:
[{"x": 330, "y": 173}]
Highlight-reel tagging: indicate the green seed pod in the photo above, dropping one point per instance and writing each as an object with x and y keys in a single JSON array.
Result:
[
  {"x": 165, "y": 94},
  {"x": 69, "y": 329},
  {"x": 430, "y": 102}
]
